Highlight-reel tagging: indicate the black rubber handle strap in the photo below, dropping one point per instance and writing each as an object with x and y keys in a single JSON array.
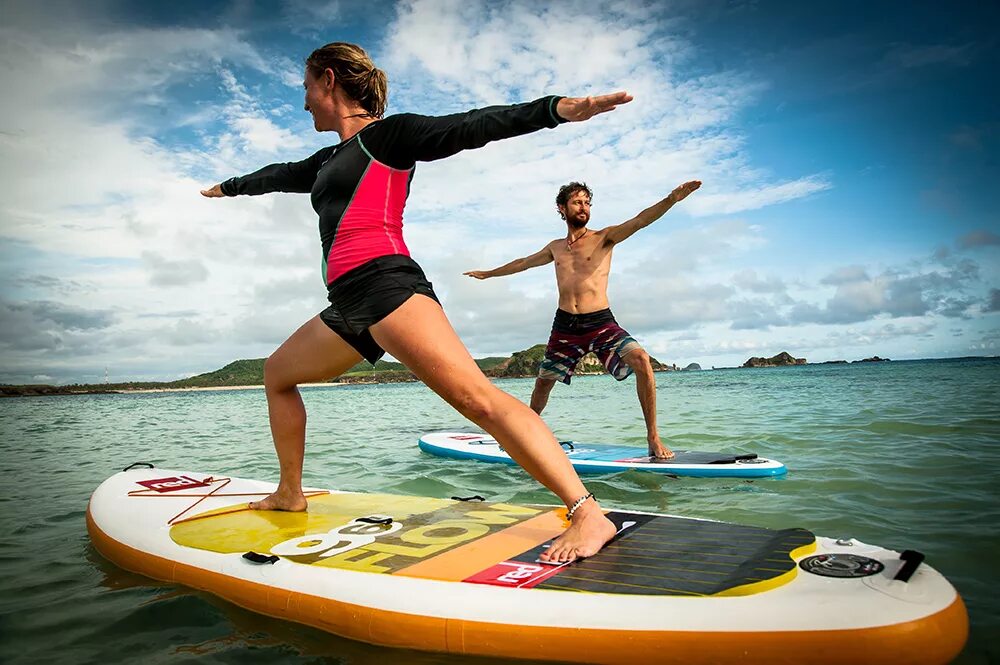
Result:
[
  {"x": 474, "y": 497},
  {"x": 567, "y": 443},
  {"x": 259, "y": 559},
  {"x": 911, "y": 561},
  {"x": 135, "y": 464},
  {"x": 375, "y": 520}
]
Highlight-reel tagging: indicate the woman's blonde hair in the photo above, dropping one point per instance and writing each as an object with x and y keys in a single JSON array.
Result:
[{"x": 353, "y": 69}]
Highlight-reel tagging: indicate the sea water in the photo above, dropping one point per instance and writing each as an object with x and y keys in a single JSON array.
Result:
[{"x": 900, "y": 454}]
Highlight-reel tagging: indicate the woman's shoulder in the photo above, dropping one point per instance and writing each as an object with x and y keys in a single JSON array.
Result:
[{"x": 390, "y": 123}]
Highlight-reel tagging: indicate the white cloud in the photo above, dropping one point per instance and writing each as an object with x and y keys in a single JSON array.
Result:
[{"x": 679, "y": 128}]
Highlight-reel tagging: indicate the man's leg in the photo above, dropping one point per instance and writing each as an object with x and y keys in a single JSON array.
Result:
[
  {"x": 645, "y": 384},
  {"x": 540, "y": 395}
]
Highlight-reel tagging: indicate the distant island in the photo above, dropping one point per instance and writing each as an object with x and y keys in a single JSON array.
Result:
[
  {"x": 784, "y": 359},
  {"x": 250, "y": 373},
  {"x": 780, "y": 360}
]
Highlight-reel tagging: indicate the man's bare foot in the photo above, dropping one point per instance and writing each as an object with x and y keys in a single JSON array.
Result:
[
  {"x": 657, "y": 450},
  {"x": 589, "y": 531},
  {"x": 289, "y": 500}
]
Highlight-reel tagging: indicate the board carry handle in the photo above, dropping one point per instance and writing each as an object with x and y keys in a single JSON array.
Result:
[
  {"x": 474, "y": 497},
  {"x": 375, "y": 520},
  {"x": 259, "y": 559},
  {"x": 135, "y": 464},
  {"x": 911, "y": 560},
  {"x": 567, "y": 443}
]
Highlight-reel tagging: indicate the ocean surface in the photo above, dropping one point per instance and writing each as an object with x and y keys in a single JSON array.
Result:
[{"x": 901, "y": 454}]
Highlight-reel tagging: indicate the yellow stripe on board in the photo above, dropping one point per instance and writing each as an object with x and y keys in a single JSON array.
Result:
[{"x": 774, "y": 582}]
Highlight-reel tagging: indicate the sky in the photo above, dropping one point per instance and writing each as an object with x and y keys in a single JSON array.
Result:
[{"x": 849, "y": 155}]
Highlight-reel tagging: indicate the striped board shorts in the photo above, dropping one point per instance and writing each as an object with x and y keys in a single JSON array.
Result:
[{"x": 575, "y": 335}]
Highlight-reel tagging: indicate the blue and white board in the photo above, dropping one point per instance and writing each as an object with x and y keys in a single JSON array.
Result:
[{"x": 609, "y": 458}]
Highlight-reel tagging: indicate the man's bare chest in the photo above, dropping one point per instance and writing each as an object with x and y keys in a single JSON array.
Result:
[{"x": 582, "y": 258}]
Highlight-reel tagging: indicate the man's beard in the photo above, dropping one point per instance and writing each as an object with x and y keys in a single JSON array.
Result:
[{"x": 577, "y": 222}]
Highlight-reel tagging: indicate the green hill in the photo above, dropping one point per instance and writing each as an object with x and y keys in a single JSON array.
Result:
[
  {"x": 237, "y": 373},
  {"x": 489, "y": 363},
  {"x": 251, "y": 373},
  {"x": 522, "y": 363}
]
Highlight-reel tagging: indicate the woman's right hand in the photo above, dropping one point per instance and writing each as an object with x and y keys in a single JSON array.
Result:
[
  {"x": 578, "y": 109},
  {"x": 213, "y": 192}
]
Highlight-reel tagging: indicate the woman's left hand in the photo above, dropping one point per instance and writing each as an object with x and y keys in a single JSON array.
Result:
[{"x": 578, "y": 109}]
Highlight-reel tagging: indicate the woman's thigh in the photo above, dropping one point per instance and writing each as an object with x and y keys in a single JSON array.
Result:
[
  {"x": 313, "y": 353},
  {"x": 419, "y": 335}
]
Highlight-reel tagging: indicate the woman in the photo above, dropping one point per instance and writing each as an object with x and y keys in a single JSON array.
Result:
[{"x": 380, "y": 300}]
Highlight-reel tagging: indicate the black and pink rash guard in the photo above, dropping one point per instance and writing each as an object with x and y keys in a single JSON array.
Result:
[{"x": 359, "y": 186}]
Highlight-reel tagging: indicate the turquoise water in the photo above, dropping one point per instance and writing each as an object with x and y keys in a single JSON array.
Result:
[{"x": 901, "y": 454}]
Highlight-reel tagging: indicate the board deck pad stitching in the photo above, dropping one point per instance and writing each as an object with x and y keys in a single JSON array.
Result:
[{"x": 652, "y": 555}]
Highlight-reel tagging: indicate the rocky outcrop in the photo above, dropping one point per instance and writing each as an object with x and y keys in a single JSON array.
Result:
[
  {"x": 693, "y": 367},
  {"x": 781, "y": 360},
  {"x": 873, "y": 359},
  {"x": 525, "y": 364},
  {"x": 522, "y": 363}
]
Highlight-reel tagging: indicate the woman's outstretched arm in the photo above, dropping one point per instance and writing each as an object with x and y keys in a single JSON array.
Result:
[
  {"x": 285, "y": 177},
  {"x": 402, "y": 140}
]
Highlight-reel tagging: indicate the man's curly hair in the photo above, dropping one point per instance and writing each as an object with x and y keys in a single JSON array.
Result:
[{"x": 569, "y": 190}]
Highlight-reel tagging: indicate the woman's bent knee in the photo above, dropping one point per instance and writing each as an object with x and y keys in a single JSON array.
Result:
[{"x": 274, "y": 375}]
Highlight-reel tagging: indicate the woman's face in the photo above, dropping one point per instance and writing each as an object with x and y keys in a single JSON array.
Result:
[{"x": 319, "y": 99}]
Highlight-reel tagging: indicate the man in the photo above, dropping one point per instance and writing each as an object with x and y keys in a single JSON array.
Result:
[{"x": 584, "y": 322}]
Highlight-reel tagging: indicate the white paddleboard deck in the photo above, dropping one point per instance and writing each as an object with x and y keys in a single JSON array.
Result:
[{"x": 463, "y": 577}]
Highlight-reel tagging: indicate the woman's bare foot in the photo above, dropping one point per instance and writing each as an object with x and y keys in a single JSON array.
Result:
[
  {"x": 290, "y": 500},
  {"x": 657, "y": 450},
  {"x": 589, "y": 531}
]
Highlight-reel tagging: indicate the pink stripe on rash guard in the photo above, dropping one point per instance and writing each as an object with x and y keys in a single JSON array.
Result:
[{"x": 372, "y": 225}]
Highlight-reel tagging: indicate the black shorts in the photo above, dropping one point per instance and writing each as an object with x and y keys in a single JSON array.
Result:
[{"x": 362, "y": 297}]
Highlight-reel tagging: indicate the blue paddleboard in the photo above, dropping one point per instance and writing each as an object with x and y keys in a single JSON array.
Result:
[{"x": 609, "y": 458}]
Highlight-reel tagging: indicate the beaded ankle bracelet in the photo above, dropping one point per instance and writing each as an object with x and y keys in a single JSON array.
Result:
[{"x": 576, "y": 504}]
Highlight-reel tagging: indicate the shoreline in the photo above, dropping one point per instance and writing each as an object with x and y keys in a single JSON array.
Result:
[
  {"x": 217, "y": 388},
  {"x": 389, "y": 376}
]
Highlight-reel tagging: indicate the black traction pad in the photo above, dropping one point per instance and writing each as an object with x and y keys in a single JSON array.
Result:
[
  {"x": 698, "y": 457},
  {"x": 671, "y": 556}
]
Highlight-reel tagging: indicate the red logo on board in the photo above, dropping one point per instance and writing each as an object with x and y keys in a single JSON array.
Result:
[
  {"x": 171, "y": 484},
  {"x": 516, "y": 574}
]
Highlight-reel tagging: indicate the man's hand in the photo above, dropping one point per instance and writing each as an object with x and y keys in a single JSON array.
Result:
[
  {"x": 578, "y": 109},
  {"x": 682, "y": 192},
  {"x": 478, "y": 274},
  {"x": 213, "y": 192}
]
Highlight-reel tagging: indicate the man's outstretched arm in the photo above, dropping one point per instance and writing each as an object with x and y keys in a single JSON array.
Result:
[
  {"x": 539, "y": 258},
  {"x": 616, "y": 234}
]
